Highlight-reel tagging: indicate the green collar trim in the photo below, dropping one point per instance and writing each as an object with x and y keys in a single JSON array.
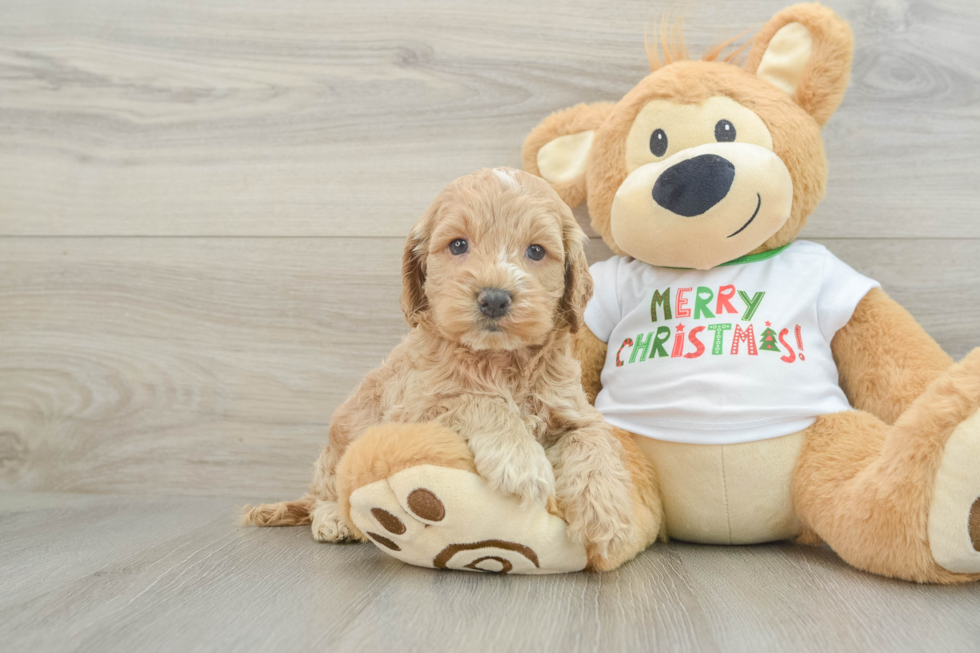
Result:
[
  {"x": 748, "y": 258},
  {"x": 755, "y": 258}
]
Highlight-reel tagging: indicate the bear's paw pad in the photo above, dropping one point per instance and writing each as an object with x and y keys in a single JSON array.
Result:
[
  {"x": 954, "y": 515},
  {"x": 445, "y": 518}
]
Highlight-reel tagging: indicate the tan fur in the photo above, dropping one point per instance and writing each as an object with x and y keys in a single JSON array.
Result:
[
  {"x": 796, "y": 137},
  {"x": 829, "y": 70},
  {"x": 674, "y": 49},
  {"x": 714, "y": 53},
  {"x": 671, "y": 42},
  {"x": 795, "y": 131},
  {"x": 809, "y": 538},
  {"x": 648, "y": 512},
  {"x": 387, "y": 449},
  {"x": 865, "y": 479},
  {"x": 286, "y": 513},
  {"x": 865, "y": 487},
  {"x": 580, "y": 118},
  {"x": 512, "y": 394},
  {"x": 885, "y": 359},
  {"x": 591, "y": 353}
]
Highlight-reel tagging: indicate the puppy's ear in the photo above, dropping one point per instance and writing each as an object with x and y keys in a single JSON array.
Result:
[
  {"x": 413, "y": 300},
  {"x": 558, "y": 149},
  {"x": 578, "y": 279},
  {"x": 805, "y": 50}
]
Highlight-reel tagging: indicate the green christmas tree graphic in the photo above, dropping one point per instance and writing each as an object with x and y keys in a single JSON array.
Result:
[{"x": 767, "y": 341}]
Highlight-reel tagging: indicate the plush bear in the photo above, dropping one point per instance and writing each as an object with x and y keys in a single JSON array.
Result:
[{"x": 777, "y": 392}]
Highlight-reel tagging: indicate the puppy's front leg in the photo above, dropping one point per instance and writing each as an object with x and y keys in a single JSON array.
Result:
[
  {"x": 594, "y": 488},
  {"x": 505, "y": 453}
]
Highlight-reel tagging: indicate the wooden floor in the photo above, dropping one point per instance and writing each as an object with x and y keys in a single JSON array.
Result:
[
  {"x": 104, "y": 573},
  {"x": 202, "y": 208}
]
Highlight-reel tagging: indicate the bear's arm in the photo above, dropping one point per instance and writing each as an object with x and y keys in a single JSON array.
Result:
[
  {"x": 591, "y": 353},
  {"x": 885, "y": 359}
]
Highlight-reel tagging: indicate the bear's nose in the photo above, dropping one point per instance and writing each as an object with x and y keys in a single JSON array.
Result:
[
  {"x": 693, "y": 186},
  {"x": 494, "y": 302}
]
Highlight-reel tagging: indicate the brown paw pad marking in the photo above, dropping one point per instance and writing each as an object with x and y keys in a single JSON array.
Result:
[
  {"x": 505, "y": 565},
  {"x": 975, "y": 524},
  {"x": 388, "y": 521},
  {"x": 426, "y": 505},
  {"x": 444, "y": 556},
  {"x": 383, "y": 541}
]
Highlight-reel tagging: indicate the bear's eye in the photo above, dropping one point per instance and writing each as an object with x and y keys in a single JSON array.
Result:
[
  {"x": 724, "y": 131},
  {"x": 458, "y": 246},
  {"x": 535, "y": 252},
  {"x": 658, "y": 142}
]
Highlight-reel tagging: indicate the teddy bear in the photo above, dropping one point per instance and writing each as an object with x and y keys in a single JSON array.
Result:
[{"x": 777, "y": 392}]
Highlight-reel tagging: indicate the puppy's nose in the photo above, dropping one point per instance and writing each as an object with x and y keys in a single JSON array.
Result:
[
  {"x": 691, "y": 187},
  {"x": 494, "y": 302}
]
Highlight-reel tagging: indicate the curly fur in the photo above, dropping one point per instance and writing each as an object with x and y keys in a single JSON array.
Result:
[{"x": 510, "y": 389}]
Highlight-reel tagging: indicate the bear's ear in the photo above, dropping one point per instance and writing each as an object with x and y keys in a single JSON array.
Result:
[
  {"x": 558, "y": 149},
  {"x": 806, "y": 51}
]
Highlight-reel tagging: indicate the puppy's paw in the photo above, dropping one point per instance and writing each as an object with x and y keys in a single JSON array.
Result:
[
  {"x": 522, "y": 468},
  {"x": 328, "y": 525},
  {"x": 599, "y": 512}
]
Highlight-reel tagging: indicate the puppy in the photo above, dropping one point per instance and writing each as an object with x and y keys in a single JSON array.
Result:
[{"x": 495, "y": 281}]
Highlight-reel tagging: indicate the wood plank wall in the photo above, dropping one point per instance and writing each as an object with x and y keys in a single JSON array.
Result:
[{"x": 202, "y": 205}]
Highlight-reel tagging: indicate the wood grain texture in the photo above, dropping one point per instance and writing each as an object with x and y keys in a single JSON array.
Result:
[
  {"x": 175, "y": 364},
  {"x": 212, "y": 366},
  {"x": 233, "y": 117},
  {"x": 125, "y": 573},
  {"x": 202, "y": 211}
]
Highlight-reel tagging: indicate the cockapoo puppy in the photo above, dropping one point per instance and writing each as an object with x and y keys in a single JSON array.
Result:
[{"x": 495, "y": 281}]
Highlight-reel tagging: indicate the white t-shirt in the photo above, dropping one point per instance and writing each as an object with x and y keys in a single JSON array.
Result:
[{"x": 737, "y": 353}]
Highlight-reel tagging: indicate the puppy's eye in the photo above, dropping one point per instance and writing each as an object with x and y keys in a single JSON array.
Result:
[
  {"x": 535, "y": 252},
  {"x": 458, "y": 246},
  {"x": 724, "y": 131},
  {"x": 658, "y": 142}
]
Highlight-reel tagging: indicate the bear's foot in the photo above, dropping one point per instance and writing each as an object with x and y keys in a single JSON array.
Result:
[
  {"x": 445, "y": 518},
  {"x": 954, "y": 513},
  {"x": 413, "y": 490},
  {"x": 900, "y": 500}
]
